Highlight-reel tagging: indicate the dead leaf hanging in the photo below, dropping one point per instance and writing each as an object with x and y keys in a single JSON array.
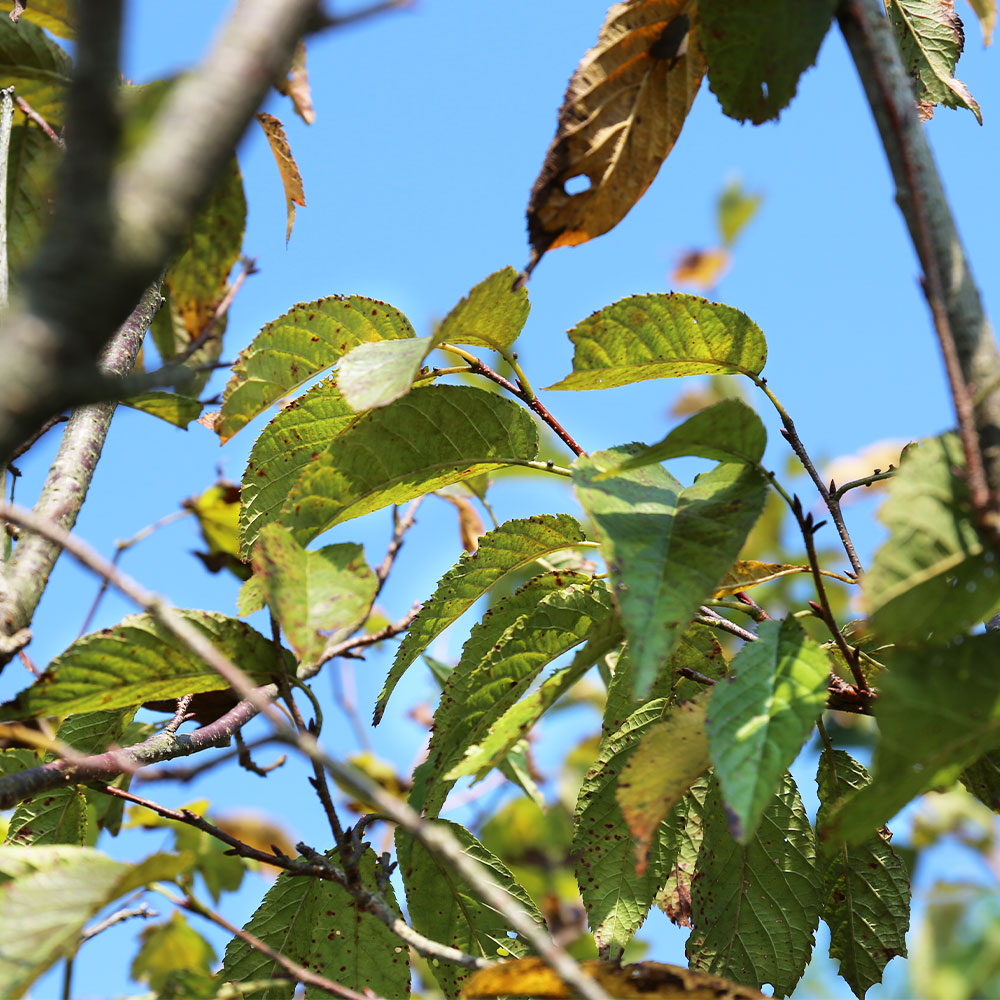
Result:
[
  {"x": 623, "y": 110},
  {"x": 291, "y": 179}
]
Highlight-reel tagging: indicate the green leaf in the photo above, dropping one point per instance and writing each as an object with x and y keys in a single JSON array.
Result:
[
  {"x": 298, "y": 435},
  {"x": 507, "y": 731},
  {"x": 662, "y": 336},
  {"x": 310, "y": 338},
  {"x": 445, "y": 908},
  {"x": 938, "y": 711},
  {"x": 319, "y": 597},
  {"x": 667, "y": 546},
  {"x": 169, "y": 406},
  {"x": 505, "y": 550},
  {"x": 758, "y": 49},
  {"x": 47, "y": 895},
  {"x": 487, "y": 681},
  {"x": 933, "y": 577},
  {"x": 756, "y": 907},
  {"x": 318, "y": 924},
  {"x": 37, "y": 68},
  {"x": 982, "y": 779},
  {"x": 168, "y": 947},
  {"x": 760, "y": 716},
  {"x": 31, "y": 165},
  {"x": 375, "y": 374},
  {"x": 866, "y": 889},
  {"x": 197, "y": 279},
  {"x": 678, "y": 847},
  {"x": 139, "y": 660},
  {"x": 57, "y": 817},
  {"x": 735, "y": 209},
  {"x": 728, "y": 431},
  {"x": 616, "y": 896},
  {"x": 434, "y": 436},
  {"x": 931, "y": 39},
  {"x": 491, "y": 316},
  {"x": 670, "y": 758}
]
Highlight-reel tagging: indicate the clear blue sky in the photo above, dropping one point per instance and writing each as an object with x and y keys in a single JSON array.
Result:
[{"x": 431, "y": 127}]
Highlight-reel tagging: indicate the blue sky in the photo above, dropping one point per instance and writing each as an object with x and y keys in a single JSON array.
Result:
[{"x": 431, "y": 127}]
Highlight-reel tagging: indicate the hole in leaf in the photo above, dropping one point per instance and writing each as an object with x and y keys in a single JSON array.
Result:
[
  {"x": 576, "y": 185},
  {"x": 763, "y": 91}
]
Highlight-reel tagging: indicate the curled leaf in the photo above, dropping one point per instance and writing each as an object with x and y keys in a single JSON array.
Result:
[
  {"x": 623, "y": 110},
  {"x": 291, "y": 179}
]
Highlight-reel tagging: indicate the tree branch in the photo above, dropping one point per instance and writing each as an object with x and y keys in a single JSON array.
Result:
[{"x": 966, "y": 339}]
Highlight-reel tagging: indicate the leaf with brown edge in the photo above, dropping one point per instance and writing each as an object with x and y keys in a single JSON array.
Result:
[
  {"x": 291, "y": 179},
  {"x": 295, "y": 85},
  {"x": 525, "y": 977},
  {"x": 668, "y": 761},
  {"x": 747, "y": 573},
  {"x": 623, "y": 110}
]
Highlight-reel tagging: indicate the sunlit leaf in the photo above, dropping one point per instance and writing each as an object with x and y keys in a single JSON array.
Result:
[
  {"x": 300, "y": 432},
  {"x": 933, "y": 577},
  {"x": 291, "y": 179},
  {"x": 670, "y": 757},
  {"x": 662, "y": 336},
  {"x": 295, "y": 85},
  {"x": 434, "y": 436},
  {"x": 532, "y": 977},
  {"x": 756, "y": 907},
  {"x": 217, "y": 511},
  {"x": 760, "y": 716},
  {"x": 728, "y": 431},
  {"x": 757, "y": 50},
  {"x": 701, "y": 269},
  {"x": 37, "y": 68},
  {"x": 931, "y": 39},
  {"x": 320, "y": 925},
  {"x": 735, "y": 210},
  {"x": 310, "y": 338},
  {"x": 624, "y": 108},
  {"x": 55, "y": 16},
  {"x": 491, "y": 315},
  {"x": 667, "y": 546},
  {"x": 47, "y": 895},
  {"x": 505, "y": 550},
  {"x": 986, "y": 11},
  {"x": 445, "y": 908},
  {"x": 375, "y": 374},
  {"x": 169, "y": 406},
  {"x": 486, "y": 682},
  {"x": 318, "y": 597},
  {"x": 866, "y": 889},
  {"x": 168, "y": 947},
  {"x": 139, "y": 660},
  {"x": 747, "y": 573},
  {"x": 938, "y": 711}
]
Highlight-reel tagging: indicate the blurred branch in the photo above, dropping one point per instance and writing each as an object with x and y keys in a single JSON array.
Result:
[
  {"x": 968, "y": 346},
  {"x": 29, "y": 112}
]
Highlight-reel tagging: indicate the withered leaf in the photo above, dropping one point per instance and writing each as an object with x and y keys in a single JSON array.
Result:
[
  {"x": 287, "y": 167},
  {"x": 623, "y": 110}
]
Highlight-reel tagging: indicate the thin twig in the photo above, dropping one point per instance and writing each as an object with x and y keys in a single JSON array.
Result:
[
  {"x": 6, "y": 123},
  {"x": 694, "y": 675},
  {"x": 58, "y": 418},
  {"x": 713, "y": 619},
  {"x": 363, "y": 14},
  {"x": 400, "y": 526},
  {"x": 186, "y": 774},
  {"x": 347, "y": 646},
  {"x": 30, "y": 112},
  {"x": 143, "y": 910},
  {"x": 876, "y": 477}
]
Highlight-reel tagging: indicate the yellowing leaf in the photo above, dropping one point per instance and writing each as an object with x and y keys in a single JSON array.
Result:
[
  {"x": 291, "y": 179},
  {"x": 748, "y": 573},
  {"x": 734, "y": 210},
  {"x": 623, "y": 110},
  {"x": 701, "y": 268},
  {"x": 218, "y": 513},
  {"x": 986, "y": 11},
  {"x": 296, "y": 85},
  {"x": 639, "y": 981},
  {"x": 470, "y": 525},
  {"x": 667, "y": 762}
]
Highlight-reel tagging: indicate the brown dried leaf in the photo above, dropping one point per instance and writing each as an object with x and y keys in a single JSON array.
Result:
[
  {"x": 295, "y": 85},
  {"x": 470, "y": 525},
  {"x": 287, "y": 167},
  {"x": 646, "y": 980},
  {"x": 701, "y": 268},
  {"x": 623, "y": 110}
]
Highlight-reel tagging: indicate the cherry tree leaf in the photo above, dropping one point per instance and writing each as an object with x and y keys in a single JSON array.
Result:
[
  {"x": 662, "y": 336},
  {"x": 491, "y": 315},
  {"x": 291, "y": 179},
  {"x": 37, "y": 68},
  {"x": 375, "y": 374},
  {"x": 623, "y": 111}
]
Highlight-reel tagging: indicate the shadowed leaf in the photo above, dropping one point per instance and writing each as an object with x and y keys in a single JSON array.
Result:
[
  {"x": 55, "y": 16},
  {"x": 662, "y": 336},
  {"x": 37, "y": 68},
  {"x": 433, "y": 436},
  {"x": 624, "y": 108},
  {"x": 866, "y": 889},
  {"x": 169, "y": 406}
]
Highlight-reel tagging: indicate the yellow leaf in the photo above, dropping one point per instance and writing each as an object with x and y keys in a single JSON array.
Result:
[
  {"x": 748, "y": 573},
  {"x": 639, "y": 981},
  {"x": 287, "y": 167},
  {"x": 671, "y": 756},
  {"x": 623, "y": 110},
  {"x": 702, "y": 268},
  {"x": 260, "y": 831}
]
